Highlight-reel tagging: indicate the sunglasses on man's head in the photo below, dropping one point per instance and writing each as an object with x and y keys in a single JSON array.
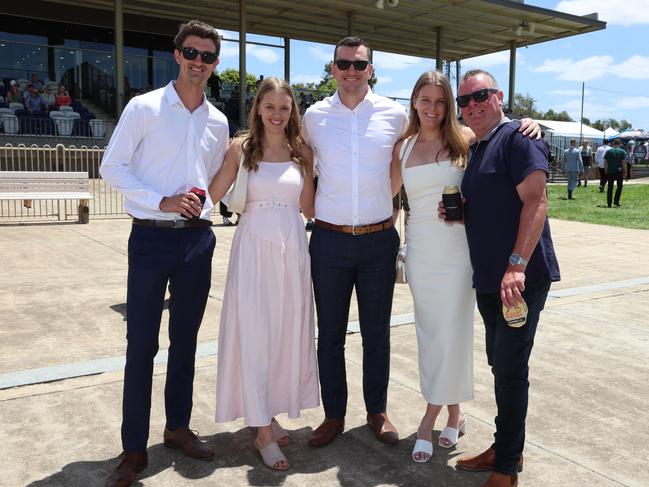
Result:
[
  {"x": 190, "y": 53},
  {"x": 478, "y": 96},
  {"x": 345, "y": 64}
]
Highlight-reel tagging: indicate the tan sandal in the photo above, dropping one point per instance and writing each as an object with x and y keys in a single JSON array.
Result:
[
  {"x": 271, "y": 455},
  {"x": 280, "y": 435}
]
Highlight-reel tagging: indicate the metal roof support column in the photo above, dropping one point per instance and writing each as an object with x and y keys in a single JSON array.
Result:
[
  {"x": 287, "y": 59},
  {"x": 512, "y": 76},
  {"x": 439, "y": 65},
  {"x": 119, "y": 57},
  {"x": 242, "y": 64},
  {"x": 350, "y": 23}
]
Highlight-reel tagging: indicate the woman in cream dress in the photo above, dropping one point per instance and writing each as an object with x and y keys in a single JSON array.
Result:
[{"x": 266, "y": 360}]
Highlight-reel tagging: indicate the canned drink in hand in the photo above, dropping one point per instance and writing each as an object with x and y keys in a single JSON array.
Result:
[
  {"x": 452, "y": 199},
  {"x": 201, "y": 196}
]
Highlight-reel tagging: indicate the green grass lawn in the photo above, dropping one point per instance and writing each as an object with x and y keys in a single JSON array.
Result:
[{"x": 589, "y": 205}]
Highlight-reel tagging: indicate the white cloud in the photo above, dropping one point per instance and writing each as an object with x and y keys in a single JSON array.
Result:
[
  {"x": 596, "y": 67},
  {"x": 384, "y": 80},
  {"x": 325, "y": 55},
  {"x": 620, "y": 13},
  {"x": 636, "y": 67},
  {"x": 568, "y": 92},
  {"x": 265, "y": 55},
  {"x": 632, "y": 103},
  {"x": 385, "y": 60},
  {"x": 306, "y": 78},
  {"x": 488, "y": 60},
  {"x": 587, "y": 69},
  {"x": 229, "y": 49}
]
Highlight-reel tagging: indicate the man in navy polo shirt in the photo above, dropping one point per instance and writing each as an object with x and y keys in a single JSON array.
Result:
[{"x": 512, "y": 256}]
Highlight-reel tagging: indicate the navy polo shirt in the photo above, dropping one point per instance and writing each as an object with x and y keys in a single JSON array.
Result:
[{"x": 492, "y": 210}]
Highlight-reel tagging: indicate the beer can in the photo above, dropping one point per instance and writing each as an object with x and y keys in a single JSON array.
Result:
[{"x": 452, "y": 199}]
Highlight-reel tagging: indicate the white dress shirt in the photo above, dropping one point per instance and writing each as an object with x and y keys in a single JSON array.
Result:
[
  {"x": 159, "y": 148},
  {"x": 599, "y": 155},
  {"x": 353, "y": 150}
]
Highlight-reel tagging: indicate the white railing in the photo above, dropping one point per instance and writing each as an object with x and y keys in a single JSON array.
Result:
[{"x": 106, "y": 201}]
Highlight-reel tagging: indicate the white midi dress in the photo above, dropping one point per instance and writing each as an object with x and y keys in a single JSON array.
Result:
[{"x": 440, "y": 279}]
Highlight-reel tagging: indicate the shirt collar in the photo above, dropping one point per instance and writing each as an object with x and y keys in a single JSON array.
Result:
[
  {"x": 171, "y": 95},
  {"x": 369, "y": 98},
  {"x": 493, "y": 131}
]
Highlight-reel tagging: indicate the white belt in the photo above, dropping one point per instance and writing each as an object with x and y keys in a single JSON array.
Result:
[{"x": 269, "y": 204}]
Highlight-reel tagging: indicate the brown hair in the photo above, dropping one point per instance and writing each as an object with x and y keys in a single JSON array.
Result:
[
  {"x": 353, "y": 42},
  {"x": 452, "y": 137},
  {"x": 251, "y": 141},
  {"x": 199, "y": 29}
]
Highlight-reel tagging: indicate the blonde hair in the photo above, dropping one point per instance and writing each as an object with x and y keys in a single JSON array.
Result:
[
  {"x": 251, "y": 141},
  {"x": 452, "y": 137}
]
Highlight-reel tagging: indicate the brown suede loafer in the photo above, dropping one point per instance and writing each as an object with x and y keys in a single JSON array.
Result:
[
  {"x": 383, "y": 429},
  {"x": 127, "y": 470},
  {"x": 187, "y": 441},
  {"x": 497, "y": 479},
  {"x": 327, "y": 431},
  {"x": 483, "y": 462}
]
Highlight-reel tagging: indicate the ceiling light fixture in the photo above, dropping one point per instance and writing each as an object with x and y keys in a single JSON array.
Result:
[{"x": 380, "y": 4}]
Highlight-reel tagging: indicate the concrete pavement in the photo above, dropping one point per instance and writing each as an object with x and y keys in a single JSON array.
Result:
[{"x": 62, "y": 296}]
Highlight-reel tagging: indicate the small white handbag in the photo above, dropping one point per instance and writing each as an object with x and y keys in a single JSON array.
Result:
[{"x": 235, "y": 198}]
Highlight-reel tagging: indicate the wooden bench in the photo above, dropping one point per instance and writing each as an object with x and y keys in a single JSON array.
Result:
[{"x": 37, "y": 185}]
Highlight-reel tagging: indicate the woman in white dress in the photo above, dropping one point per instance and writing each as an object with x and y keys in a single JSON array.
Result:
[
  {"x": 266, "y": 356},
  {"x": 431, "y": 155}
]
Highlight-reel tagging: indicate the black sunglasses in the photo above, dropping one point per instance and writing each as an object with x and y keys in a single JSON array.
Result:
[
  {"x": 345, "y": 64},
  {"x": 190, "y": 53},
  {"x": 478, "y": 96}
]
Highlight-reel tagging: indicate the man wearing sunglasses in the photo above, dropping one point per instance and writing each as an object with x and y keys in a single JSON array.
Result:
[
  {"x": 354, "y": 243},
  {"x": 168, "y": 144},
  {"x": 512, "y": 255}
]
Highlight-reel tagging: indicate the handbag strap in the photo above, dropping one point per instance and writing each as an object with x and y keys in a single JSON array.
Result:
[{"x": 404, "y": 153}]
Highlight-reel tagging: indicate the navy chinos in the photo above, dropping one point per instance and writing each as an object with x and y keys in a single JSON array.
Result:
[
  {"x": 341, "y": 262},
  {"x": 508, "y": 354},
  {"x": 181, "y": 258}
]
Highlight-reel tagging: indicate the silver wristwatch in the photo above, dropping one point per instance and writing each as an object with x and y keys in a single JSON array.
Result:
[{"x": 516, "y": 259}]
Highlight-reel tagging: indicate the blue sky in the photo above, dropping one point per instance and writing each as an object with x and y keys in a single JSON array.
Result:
[{"x": 613, "y": 63}]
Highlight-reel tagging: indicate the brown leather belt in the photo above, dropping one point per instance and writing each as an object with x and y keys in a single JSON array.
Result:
[
  {"x": 172, "y": 223},
  {"x": 356, "y": 229}
]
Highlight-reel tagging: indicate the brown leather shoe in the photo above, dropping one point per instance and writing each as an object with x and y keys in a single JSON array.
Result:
[
  {"x": 128, "y": 468},
  {"x": 327, "y": 431},
  {"x": 383, "y": 429},
  {"x": 186, "y": 440},
  {"x": 483, "y": 462},
  {"x": 497, "y": 479}
]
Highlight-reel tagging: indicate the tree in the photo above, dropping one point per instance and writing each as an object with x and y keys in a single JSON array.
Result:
[
  {"x": 231, "y": 76},
  {"x": 524, "y": 104},
  {"x": 624, "y": 125}
]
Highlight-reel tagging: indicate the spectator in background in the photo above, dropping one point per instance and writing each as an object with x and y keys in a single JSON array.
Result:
[
  {"x": 48, "y": 96},
  {"x": 586, "y": 159},
  {"x": 36, "y": 83},
  {"x": 215, "y": 85},
  {"x": 14, "y": 95},
  {"x": 35, "y": 103},
  {"x": 599, "y": 159},
  {"x": 62, "y": 99},
  {"x": 27, "y": 92},
  {"x": 614, "y": 166},
  {"x": 630, "y": 159},
  {"x": 574, "y": 166}
]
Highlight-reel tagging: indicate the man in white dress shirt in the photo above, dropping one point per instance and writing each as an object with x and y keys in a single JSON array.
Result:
[
  {"x": 167, "y": 146},
  {"x": 354, "y": 243}
]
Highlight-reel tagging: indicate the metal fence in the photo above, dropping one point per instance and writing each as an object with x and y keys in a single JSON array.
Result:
[{"x": 106, "y": 201}]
